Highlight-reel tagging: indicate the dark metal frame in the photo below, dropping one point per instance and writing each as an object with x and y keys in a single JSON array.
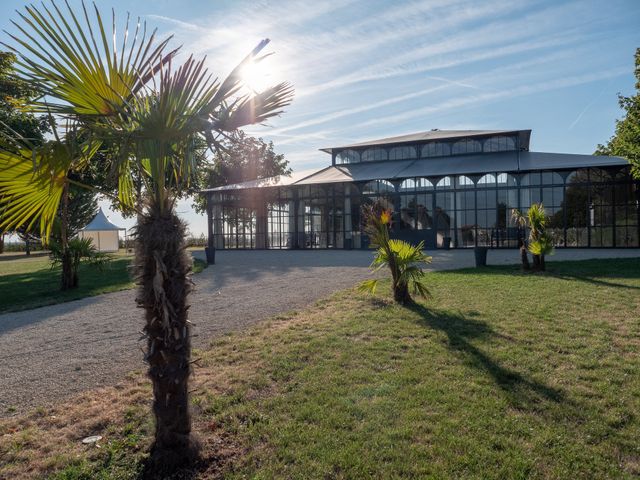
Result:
[{"x": 339, "y": 237}]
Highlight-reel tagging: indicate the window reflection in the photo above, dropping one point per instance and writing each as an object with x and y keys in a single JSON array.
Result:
[
  {"x": 402, "y": 153},
  {"x": 466, "y": 145},
  {"x": 348, "y": 156},
  {"x": 436, "y": 149},
  {"x": 374, "y": 155}
]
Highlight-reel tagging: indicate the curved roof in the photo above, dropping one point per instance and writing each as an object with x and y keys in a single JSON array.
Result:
[{"x": 101, "y": 222}]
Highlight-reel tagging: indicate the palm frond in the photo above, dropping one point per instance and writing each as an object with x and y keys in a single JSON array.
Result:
[
  {"x": 368, "y": 286},
  {"x": 68, "y": 58},
  {"x": 31, "y": 185},
  {"x": 32, "y": 181},
  {"x": 255, "y": 109},
  {"x": 543, "y": 245}
]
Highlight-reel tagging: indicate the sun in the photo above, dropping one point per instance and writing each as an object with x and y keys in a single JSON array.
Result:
[{"x": 257, "y": 76}]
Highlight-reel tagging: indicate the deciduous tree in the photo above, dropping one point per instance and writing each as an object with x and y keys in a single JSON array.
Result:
[{"x": 626, "y": 140}]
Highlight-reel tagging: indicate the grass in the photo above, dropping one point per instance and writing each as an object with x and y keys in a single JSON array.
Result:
[
  {"x": 500, "y": 375},
  {"x": 29, "y": 282}
]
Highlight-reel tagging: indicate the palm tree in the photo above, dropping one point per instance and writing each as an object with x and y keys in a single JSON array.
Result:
[
  {"x": 540, "y": 242},
  {"x": 403, "y": 259},
  {"x": 155, "y": 117}
]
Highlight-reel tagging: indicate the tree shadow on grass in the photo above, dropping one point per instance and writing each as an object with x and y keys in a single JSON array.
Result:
[
  {"x": 521, "y": 391},
  {"x": 594, "y": 281},
  {"x": 598, "y": 272}
]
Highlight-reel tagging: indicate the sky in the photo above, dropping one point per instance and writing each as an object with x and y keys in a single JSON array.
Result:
[{"x": 371, "y": 69}]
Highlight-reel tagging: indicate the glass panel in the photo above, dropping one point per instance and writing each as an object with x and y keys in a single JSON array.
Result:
[
  {"x": 402, "y": 153},
  {"x": 531, "y": 179},
  {"x": 378, "y": 186},
  {"x": 486, "y": 198},
  {"x": 488, "y": 180},
  {"x": 436, "y": 149},
  {"x": 408, "y": 212},
  {"x": 551, "y": 178},
  {"x": 374, "y": 155},
  {"x": 465, "y": 182},
  {"x": 466, "y": 145},
  {"x": 423, "y": 184},
  {"x": 466, "y": 234},
  {"x": 597, "y": 175},
  {"x": 444, "y": 183},
  {"x": 466, "y": 200},
  {"x": 627, "y": 236},
  {"x": 348, "y": 156},
  {"x": 576, "y": 210},
  {"x": 506, "y": 180},
  {"x": 529, "y": 196},
  {"x": 408, "y": 185},
  {"x": 579, "y": 176},
  {"x": 499, "y": 144},
  {"x": 424, "y": 205},
  {"x": 444, "y": 218}
]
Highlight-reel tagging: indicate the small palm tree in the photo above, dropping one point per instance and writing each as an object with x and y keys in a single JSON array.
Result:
[
  {"x": 155, "y": 117},
  {"x": 34, "y": 188},
  {"x": 403, "y": 259},
  {"x": 540, "y": 241},
  {"x": 79, "y": 250}
]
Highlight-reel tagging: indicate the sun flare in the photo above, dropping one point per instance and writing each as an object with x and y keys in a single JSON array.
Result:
[{"x": 257, "y": 76}]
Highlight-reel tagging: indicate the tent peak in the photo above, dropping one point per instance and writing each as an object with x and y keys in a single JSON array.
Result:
[{"x": 101, "y": 222}]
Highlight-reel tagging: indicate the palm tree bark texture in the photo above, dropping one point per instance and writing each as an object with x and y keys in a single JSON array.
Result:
[{"x": 163, "y": 267}]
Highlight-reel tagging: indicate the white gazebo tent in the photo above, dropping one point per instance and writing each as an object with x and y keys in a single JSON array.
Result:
[{"x": 103, "y": 233}]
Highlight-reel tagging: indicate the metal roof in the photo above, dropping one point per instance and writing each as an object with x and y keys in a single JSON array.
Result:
[
  {"x": 498, "y": 162},
  {"x": 101, "y": 222},
  {"x": 278, "y": 181},
  {"x": 435, "y": 135}
]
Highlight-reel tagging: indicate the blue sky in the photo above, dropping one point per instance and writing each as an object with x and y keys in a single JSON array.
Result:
[{"x": 371, "y": 69}]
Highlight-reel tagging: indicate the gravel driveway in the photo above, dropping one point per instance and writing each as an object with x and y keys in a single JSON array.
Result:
[{"x": 53, "y": 352}]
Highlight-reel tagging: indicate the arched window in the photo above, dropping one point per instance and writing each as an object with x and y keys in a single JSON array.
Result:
[
  {"x": 488, "y": 180},
  {"x": 436, "y": 149},
  {"x": 408, "y": 185},
  {"x": 423, "y": 184},
  {"x": 377, "y": 187},
  {"x": 577, "y": 176},
  {"x": 402, "y": 153},
  {"x": 465, "y": 182},
  {"x": 374, "y": 155},
  {"x": 444, "y": 182},
  {"x": 506, "y": 180},
  {"x": 499, "y": 143},
  {"x": 466, "y": 145},
  {"x": 348, "y": 156}
]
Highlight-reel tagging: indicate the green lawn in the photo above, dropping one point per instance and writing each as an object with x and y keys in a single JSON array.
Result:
[
  {"x": 29, "y": 282},
  {"x": 500, "y": 375}
]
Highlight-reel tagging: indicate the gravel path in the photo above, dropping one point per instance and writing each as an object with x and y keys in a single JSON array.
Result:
[{"x": 50, "y": 353}]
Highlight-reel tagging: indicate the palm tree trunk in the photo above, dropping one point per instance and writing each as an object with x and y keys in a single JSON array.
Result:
[
  {"x": 536, "y": 262},
  {"x": 67, "y": 281},
  {"x": 524, "y": 258},
  {"x": 401, "y": 294},
  {"x": 163, "y": 275}
]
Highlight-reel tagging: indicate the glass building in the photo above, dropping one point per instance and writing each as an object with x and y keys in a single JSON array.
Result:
[{"x": 451, "y": 189}]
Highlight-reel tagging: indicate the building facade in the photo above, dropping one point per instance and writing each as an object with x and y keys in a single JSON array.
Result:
[{"x": 450, "y": 189}]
